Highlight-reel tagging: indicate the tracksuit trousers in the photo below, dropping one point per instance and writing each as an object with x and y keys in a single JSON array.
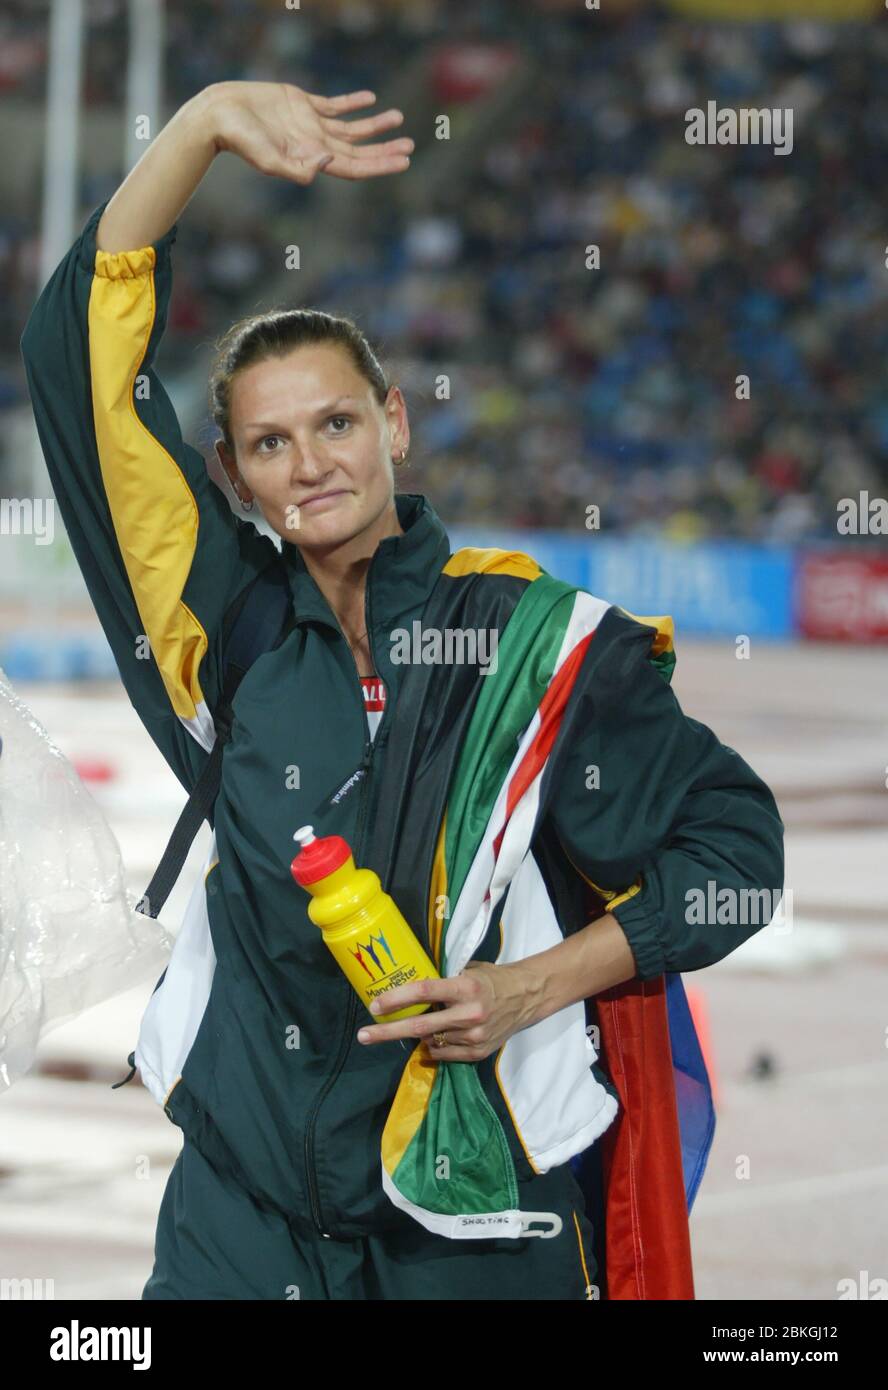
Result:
[{"x": 214, "y": 1240}]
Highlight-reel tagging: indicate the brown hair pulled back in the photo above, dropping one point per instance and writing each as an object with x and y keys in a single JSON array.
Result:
[{"x": 275, "y": 334}]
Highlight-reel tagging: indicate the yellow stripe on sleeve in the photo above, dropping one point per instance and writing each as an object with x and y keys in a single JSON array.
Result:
[{"x": 154, "y": 511}]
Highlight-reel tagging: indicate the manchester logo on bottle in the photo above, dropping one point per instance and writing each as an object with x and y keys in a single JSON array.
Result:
[
  {"x": 377, "y": 953},
  {"x": 363, "y": 949}
]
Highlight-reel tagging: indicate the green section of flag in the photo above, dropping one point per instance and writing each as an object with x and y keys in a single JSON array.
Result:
[{"x": 526, "y": 655}]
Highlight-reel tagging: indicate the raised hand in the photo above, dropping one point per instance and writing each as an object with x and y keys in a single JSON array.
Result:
[{"x": 284, "y": 131}]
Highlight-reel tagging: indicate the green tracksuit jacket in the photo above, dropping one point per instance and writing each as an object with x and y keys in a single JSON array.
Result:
[{"x": 249, "y": 1042}]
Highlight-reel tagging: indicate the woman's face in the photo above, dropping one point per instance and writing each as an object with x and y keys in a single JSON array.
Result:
[{"x": 310, "y": 423}]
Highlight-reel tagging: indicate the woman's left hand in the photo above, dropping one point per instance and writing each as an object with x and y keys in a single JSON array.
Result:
[{"x": 478, "y": 1010}]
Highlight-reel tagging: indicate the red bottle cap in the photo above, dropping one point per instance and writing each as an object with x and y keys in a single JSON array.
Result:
[{"x": 317, "y": 858}]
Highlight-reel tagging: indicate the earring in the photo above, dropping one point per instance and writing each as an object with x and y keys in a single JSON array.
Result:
[
  {"x": 401, "y": 457},
  {"x": 247, "y": 506}
]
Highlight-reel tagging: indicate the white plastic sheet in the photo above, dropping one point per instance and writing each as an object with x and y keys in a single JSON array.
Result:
[{"x": 69, "y": 933}]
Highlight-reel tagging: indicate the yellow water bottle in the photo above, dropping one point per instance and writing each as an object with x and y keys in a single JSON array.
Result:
[{"x": 361, "y": 924}]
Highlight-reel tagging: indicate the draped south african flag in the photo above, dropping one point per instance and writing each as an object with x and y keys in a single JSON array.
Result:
[{"x": 446, "y": 1156}]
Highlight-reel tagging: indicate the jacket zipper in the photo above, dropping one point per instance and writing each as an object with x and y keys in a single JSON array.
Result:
[
  {"x": 351, "y": 1019},
  {"x": 353, "y": 1000}
]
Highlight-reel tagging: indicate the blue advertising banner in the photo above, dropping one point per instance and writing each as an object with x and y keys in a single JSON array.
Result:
[{"x": 713, "y": 588}]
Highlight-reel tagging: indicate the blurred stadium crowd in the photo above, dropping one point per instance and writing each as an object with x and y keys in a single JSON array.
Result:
[{"x": 570, "y": 385}]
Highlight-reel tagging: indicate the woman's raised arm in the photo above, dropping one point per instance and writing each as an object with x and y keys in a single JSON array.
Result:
[
  {"x": 161, "y": 552},
  {"x": 279, "y": 129}
]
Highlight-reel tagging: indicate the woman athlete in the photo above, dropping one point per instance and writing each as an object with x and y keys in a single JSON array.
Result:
[{"x": 250, "y": 1041}]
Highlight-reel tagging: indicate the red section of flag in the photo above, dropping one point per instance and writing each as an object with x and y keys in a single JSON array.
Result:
[
  {"x": 551, "y": 712},
  {"x": 647, "y": 1237}
]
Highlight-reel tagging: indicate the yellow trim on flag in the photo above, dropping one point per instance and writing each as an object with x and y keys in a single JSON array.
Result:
[
  {"x": 411, "y": 1102},
  {"x": 438, "y": 890},
  {"x": 664, "y": 641},
  {"x": 409, "y": 1107},
  {"x": 473, "y": 560}
]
